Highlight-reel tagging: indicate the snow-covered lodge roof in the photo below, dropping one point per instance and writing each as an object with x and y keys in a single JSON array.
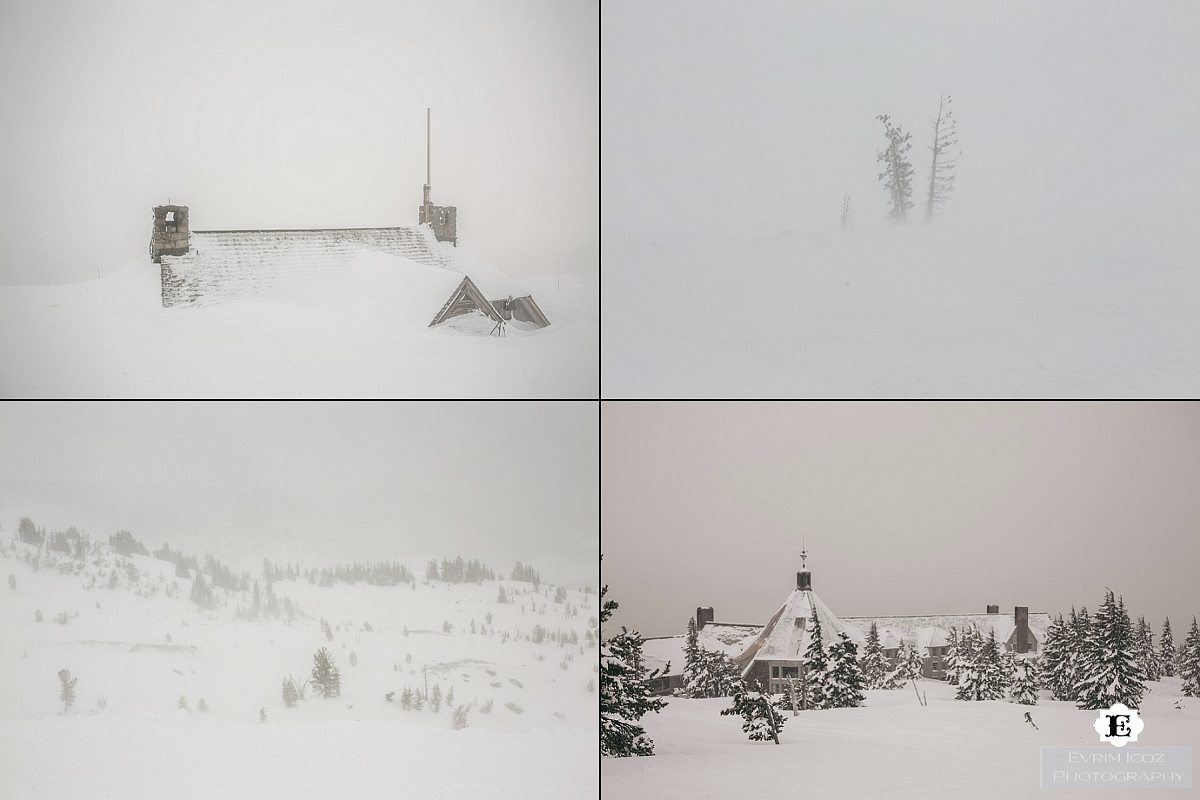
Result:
[
  {"x": 786, "y": 635},
  {"x": 931, "y": 630},
  {"x": 727, "y": 638}
]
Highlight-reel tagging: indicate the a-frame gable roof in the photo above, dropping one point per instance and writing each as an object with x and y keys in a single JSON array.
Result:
[{"x": 464, "y": 299}]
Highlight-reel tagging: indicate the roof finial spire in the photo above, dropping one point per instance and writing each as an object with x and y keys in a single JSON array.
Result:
[{"x": 803, "y": 554}]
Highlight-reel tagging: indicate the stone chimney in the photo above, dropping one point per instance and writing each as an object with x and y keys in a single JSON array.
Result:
[
  {"x": 993, "y": 609},
  {"x": 170, "y": 234},
  {"x": 1023, "y": 641},
  {"x": 703, "y": 616}
]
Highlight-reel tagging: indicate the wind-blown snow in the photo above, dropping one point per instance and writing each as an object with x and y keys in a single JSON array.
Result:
[{"x": 359, "y": 332}]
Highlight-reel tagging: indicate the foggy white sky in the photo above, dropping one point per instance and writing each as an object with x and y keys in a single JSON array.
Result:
[
  {"x": 1075, "y": 116},
  {"x": 907, "y": 508},
  {"x": 316, "y": 483},
  {"x": 291, "y": 115}
]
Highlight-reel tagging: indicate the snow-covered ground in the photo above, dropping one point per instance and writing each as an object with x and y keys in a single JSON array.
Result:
[
  {"x": 890, "y": 748},
  {"x": 359, "y": 332},
  {"x": 140, "y": 650},
  {"x": 899, "y": 312}
]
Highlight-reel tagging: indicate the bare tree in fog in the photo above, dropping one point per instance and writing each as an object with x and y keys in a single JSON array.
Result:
[{"x": 941, "y": 169}]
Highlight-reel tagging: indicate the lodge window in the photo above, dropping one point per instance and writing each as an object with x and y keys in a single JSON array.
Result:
[
  {"x": 774, "y": 672},
  {"x": 791, "y": 672}
]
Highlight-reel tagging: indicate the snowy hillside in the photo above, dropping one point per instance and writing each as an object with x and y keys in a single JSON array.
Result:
[
  {"x": 360, "y": 330},
  {"x": 522, "y": 671},
  {"x": 891, "y": 748}
]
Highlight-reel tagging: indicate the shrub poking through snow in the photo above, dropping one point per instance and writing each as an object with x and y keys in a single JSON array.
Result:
[
  {"x": 203, "y": 706},
  {"x": 406, "y": 699},
  {"x": 326, "y": 679},
  {"x": 67, "y": 689},
  {"x": 12, "y": 582},
  {"x": 37, "y": 615},
  {"x": 486, "y": 708},
  {"x": 513, "y": 707},
  {"x": 290, "y": 695},
  {"x": 262, "y": 715},
  {"x": 353, "y": 659},
  {"x": 62, "y": 618},
  {"x": 760, "y": 715},
  {"x": 183, "y": 704}
]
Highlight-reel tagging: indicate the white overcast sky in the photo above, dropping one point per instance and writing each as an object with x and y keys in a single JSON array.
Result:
[
  {"x": 315, "y": 482},
  {"x": 273, "y": 114},
  {"x": 905, "y": 508}
]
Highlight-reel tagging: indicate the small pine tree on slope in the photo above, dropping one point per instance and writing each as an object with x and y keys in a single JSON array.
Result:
[
  {"x": 326, "y": 679},
  {"x": 1109, "y": 671},
  {"x": 1166, "y": 650},
  {"x": 874, "y": 664},
  {"x": 67, "y": 689},
  {"x": 760, "y": 713},
  {"x": 1189, "y": 662},
  {"x": 897, "y": 172},
  {"x": 845, "y": 677},
  {"x": 1024, "y": 687},
  {"x": 816, "y": 666},
  {"x": 624, "y": 694}
]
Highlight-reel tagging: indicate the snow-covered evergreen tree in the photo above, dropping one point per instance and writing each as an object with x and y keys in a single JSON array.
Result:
[
  {"x": 691, "y": 659},
  {"x": 624, "y": 693},
  {"x": 1147, "y": 656},
  {"x": 981, "y": 677},
  {"x": 1109, "y": 671},
  {"x": 326, "y": 679},
  {"x": 714, "y": 675},
  {"x": 815, "y": 665},
  {"x": 1189, "y": 662},
  {"x": 1026, "y": 678},
  {"x": 66, "y": 689},
  {"x": 874, "y": 663},
  {"x": 760, "y": 713},
  {"x": 909, "y": 663},
  {"x": 897, "y": 172},
  {"x": 1055, "y": 661},
  {"x": 844, "y": 683},
  {"x": 1166, "y": 650},
  {"x": 952, "y": 665}
]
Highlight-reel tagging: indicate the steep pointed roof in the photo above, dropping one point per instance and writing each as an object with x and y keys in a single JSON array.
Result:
[
  {"x": 787, "y": 635},
  {"x": 465, "y": 299}
]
